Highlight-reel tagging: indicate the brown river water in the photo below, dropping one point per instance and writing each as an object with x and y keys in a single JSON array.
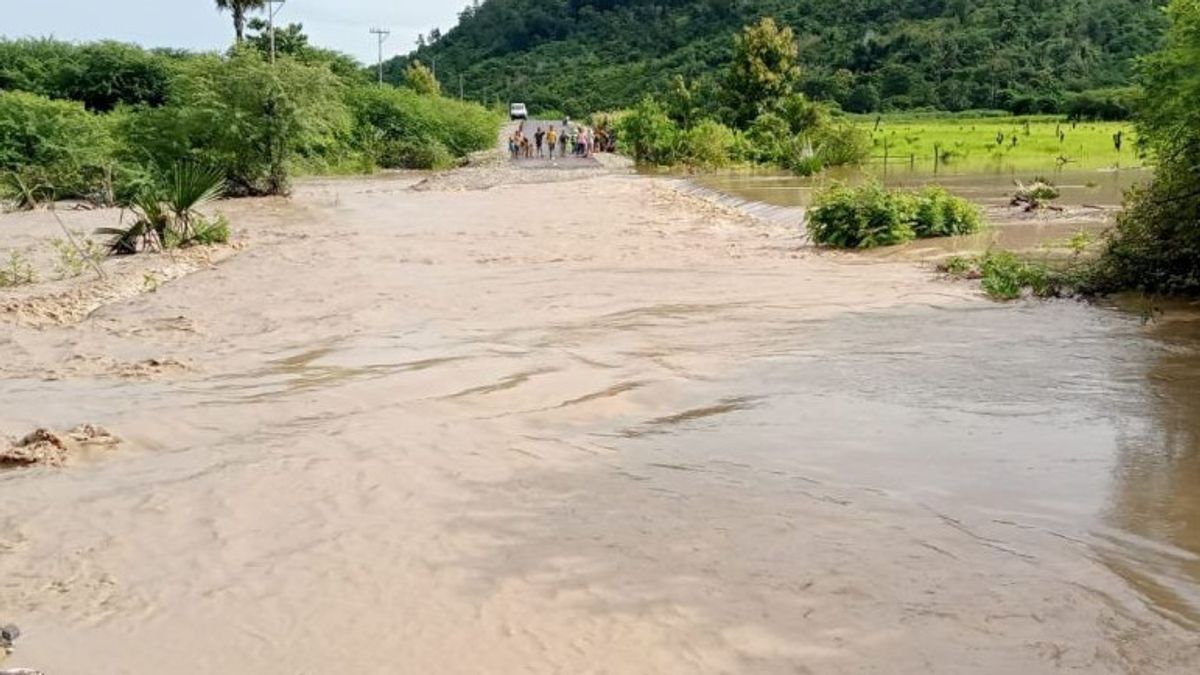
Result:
[{"x": 597, "y": 426}]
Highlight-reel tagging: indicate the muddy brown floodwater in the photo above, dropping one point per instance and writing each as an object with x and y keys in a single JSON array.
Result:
[
  {"x": 595, "y": 426},
  {"x": 1088, "y": 201}
]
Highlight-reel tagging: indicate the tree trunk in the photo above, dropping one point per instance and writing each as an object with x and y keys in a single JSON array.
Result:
[{"x": 239, "y": 23}]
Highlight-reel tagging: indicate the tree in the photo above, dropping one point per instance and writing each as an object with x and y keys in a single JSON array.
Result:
[
  {"x": 239, "y": 9},
  {"x": 763, "y": 69},
  {"x": 1156, "y": 245},
  {"x": 289, "y": 39},
  {"x": 683, "y": 101},
  {"x": 420, "y": 79}
]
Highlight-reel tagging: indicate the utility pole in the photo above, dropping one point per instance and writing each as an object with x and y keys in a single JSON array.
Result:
[
  {"x": 382, "y": 34},
  {"x": 272, "y": 10}
]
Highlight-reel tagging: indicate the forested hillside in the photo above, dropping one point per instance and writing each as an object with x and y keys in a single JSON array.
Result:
[{"x": 584, "y": 55}]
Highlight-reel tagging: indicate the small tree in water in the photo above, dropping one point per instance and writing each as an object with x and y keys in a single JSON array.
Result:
[
  {"x": 763, "y": 69},
  {"x": 420, "y": 79}
]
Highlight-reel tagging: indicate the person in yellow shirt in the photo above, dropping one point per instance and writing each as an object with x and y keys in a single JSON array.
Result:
[{"x": 552, "y": 140}]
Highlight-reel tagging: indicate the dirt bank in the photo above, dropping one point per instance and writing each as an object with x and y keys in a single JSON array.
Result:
[{"x": 562, "y": 427}]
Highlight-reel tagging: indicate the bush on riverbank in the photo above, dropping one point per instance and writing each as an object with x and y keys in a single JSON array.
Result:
[
  {"x": 412, "y": 131},
  {"x": 50, "y": 146},
  {"x": 252, "y": 120},
  {"x": 870, "y": 215},
  {"x": 1155, "y": 247},
  {"x": 142, "y": 112},
  {"x": 1005, "y": 275}
]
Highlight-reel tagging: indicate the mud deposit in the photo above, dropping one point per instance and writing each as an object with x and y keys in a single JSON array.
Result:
[{"x": 596, "y": 426}]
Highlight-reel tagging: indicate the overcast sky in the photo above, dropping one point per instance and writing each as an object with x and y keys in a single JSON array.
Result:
[{"x": 195, "y": 24}]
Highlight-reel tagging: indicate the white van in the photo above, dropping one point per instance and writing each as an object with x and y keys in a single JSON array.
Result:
[{"x": 517, "y": 111}]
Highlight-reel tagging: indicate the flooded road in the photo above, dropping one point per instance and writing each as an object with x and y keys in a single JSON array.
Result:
[{"x": 498, "y": 432}]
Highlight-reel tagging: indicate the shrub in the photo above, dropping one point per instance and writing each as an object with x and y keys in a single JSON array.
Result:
[
  {"x": 207, "y": 233},
  {"x": 51, "y": 146},
  {"x": 957, "y": 266},
  {"x": 425, "y": 153},
  {"x": 941, "y": 214},
  {"x": 420, "y": 79},
  {"x": 870, "y": 215},
  {"x": 106, "y": 74},
  {"x": 1155, "y": 246},
  {"x": 1006, "y": 276},
  {"x": 1114, "y": 104},
  {"x": 17, "y": 272},
  {"x": 861, "y": 217},
  {"x": 171, "y": 217},
  {"x": 803, "y": 164},
  {"x": 802, "y": 115},
  {"x": 842, "y": 144},
  {"x": 769, "y": 135},
  {"x": 409, "y": 126},
  {"x": 243, "y": 116},
  {"x": 707, "y": 144},
  {"x": 649, "y": 133}
]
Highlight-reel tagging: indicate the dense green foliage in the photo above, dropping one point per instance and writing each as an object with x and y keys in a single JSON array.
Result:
[
  {"x": 1156, "y": 245},
  {"x": 101, "y": 75},
  {"x": 1024, "y": 56},
  {"x": 870, "y": 215},
  {"x": 244, "y": 115},
  {"x": 50, "y": 143},
  {"x": 763, "y": 121},
  {"x": 1005, "y": 275},
  {"x": 108, "y": 121},
  {"x": 415, "y": 131}
]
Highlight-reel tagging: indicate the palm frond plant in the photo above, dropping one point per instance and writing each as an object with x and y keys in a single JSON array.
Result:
[
  {"x": 170, "y": 217},
  {"x": 192, "y": 187}
]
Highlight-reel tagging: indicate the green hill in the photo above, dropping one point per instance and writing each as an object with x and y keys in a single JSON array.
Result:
[{"x": 586, "y": 55}]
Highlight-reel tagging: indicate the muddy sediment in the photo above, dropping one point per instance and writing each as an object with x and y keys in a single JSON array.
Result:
[{"x": 599, "y": 425}]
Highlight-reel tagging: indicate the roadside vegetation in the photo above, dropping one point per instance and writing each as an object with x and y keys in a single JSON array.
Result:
[{"x": 109, "y": 123}]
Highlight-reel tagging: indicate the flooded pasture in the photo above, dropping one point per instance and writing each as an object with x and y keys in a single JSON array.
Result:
[
  {"x": 493, "y": 432},
  {"x": 1088, "y": 197}
]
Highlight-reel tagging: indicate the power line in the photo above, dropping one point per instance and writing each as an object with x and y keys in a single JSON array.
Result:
[
  {"x": 382, "y": 34},
  {"x": 272, "y": 10}
]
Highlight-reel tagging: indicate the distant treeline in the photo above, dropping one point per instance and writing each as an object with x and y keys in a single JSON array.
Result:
[{"x": 1024, "y": 56}]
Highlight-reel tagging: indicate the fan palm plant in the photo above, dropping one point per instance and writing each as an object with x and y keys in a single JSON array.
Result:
[
  {"x": 171, "y": 217},
  {"x": 239, "y": 9}
]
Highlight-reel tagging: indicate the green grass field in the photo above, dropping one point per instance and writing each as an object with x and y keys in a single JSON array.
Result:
[{"x": 971, "y": 144}]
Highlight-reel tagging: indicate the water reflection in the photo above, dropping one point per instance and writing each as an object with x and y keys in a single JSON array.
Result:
[{"x": 1156, "y": 478}]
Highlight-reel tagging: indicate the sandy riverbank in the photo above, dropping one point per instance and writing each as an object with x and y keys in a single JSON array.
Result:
[{"x": 511, "y": 427}]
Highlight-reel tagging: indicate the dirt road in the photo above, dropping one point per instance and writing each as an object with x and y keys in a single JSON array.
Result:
[{"x": 605, "y": 429}]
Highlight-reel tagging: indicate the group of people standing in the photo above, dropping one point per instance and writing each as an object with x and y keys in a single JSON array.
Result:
[{"x": 581, "y": 141}]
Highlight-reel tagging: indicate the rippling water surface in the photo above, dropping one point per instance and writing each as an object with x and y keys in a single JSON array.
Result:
[{"x": 452, "y": 434}]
